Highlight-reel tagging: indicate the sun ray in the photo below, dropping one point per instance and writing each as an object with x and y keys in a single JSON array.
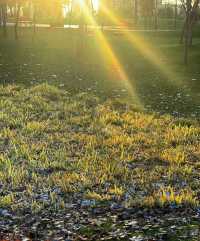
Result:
[
  {"x": 110, "y": 57},
  {"x": 145, "y": 48}
]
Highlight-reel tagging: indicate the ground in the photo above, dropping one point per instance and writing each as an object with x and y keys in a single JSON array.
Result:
[
  {"x": 69, "y": 154},
  {"x": 82, "y": 161},
  {"x": 160, "y": 80}
]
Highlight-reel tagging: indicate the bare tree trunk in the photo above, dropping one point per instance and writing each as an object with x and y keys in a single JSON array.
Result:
[
  {"x": 136, "y": 12},
  {"x": 92, "y": 6},
  {"x": 193, "y": 21},
  {"x": 17, "y": 21},
  {"x": 156, "y": 14},
  {"x": 187, "y": 31},
  {"x": 190, "y": 37},
  {"x": 176, "y": 15},
  {"x": 192, "y": 25},
  {"x": 183, "y": 34},
  {"x": 1, "y": 17},
  {"x": 4, "y": 19},
  {"x": 34, "y": 18}
]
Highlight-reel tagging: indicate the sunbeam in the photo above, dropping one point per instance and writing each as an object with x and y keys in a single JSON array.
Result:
[
  {"x": 138, "y": 42},
  {"x": 111, "y": 58}
]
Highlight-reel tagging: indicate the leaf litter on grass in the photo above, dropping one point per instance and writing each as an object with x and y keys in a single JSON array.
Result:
[{"x": 81, "y": 168}]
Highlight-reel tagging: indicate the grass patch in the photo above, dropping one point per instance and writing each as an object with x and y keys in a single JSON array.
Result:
[{"x": 63, "y": 145}]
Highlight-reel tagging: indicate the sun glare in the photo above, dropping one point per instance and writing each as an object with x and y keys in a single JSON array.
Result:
[
  {"x": 145, "y": 48},
  {"x": 81, "y": 2},
  {"x": 94, "y": 2},
  {"x": 112, "y": 59}
]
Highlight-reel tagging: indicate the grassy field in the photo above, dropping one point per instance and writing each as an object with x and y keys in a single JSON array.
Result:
[
  {"x": 83, "y": 159},
  {"x": 59, "y": 149},
  {"x": 77, "y": 63}
]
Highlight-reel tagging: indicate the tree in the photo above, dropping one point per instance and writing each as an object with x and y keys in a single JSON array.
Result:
[
  {"x": 136, "y": 11},
  {"x": 147, "y": 9},
  {"x": 3, "y": 8},
  {"x": 191, "y": 16},
  {"x": 16, "y": 7},
  {"x": 18, "y": 4},
  {"x": 156, "y": 13},
  {"x": 175, "y": 14}
]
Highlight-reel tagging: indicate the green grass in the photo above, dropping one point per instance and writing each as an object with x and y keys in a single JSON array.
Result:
[
  {"x": 62, "y": 145},
  {"x": 74, "y": 62},
  {"x": 70, "y": 132}
]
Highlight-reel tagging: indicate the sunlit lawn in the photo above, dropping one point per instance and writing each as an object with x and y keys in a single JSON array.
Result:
[
  {"x": 60, "y": 150},
  {"x": 90, "y": 144},
  {"x": 79, "y": 63}
]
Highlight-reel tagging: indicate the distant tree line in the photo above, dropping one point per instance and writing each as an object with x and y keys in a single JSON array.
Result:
[
  {"x": 148, "y": 12},
  {"x": 128, "y": 12},
  {"x": 57, "y": 12},
  {"x": 192, "y": 13}
]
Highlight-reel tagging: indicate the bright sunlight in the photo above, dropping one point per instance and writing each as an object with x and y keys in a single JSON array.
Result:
[{"x": 99, "y": 120}]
